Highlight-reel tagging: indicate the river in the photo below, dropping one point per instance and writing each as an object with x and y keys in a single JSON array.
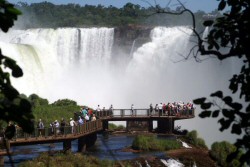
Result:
[{"x": 106, "y": 147}]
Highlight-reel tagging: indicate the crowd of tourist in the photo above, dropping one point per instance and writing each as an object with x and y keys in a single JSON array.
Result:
[
  {"x": 172, "y": 109},
  {"x": 87, "y": 114}
]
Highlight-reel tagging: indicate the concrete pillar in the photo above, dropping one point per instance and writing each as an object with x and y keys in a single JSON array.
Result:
[
  {"x": 67, "y": 145},
  {"x": 165, "y": 126},
  {"x": 150, "y": 125},
  {"x": 82, "y": 144},
  {"x": 105, "y": 125}
]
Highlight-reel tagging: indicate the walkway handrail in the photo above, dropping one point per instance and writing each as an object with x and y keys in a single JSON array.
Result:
[
  {"x": 66, "y": 131},
  {"x": 94, "y": 126},
  {"x": 143, "y": 112}
]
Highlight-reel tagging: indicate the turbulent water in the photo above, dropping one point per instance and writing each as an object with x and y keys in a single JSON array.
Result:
[{"x": 77, "y": 63}]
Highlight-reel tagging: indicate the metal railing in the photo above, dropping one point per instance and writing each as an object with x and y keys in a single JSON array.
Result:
[
  {"x": 143, "y": 112},
  {"x": 66, "y": 131},
  {"x": 92, "y": 126}
]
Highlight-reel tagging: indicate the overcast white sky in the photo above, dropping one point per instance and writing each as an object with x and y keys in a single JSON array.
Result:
[{"x": 194, "y": 5}]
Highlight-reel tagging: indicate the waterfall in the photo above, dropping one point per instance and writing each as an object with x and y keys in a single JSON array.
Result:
[
  {"x": 76, "y": 63},
  {"x": 132, "y": 49},
  {"x": 48, "y": 56}
]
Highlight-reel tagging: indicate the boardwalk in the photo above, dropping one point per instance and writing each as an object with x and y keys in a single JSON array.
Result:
[{"x": 83, "y": 132}]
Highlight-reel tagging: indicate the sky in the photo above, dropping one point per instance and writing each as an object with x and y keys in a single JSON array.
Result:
[{"x": 194, "y": 5}]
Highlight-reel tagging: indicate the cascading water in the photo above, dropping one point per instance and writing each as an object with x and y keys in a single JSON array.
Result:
[
  {"x": 52, "y": 59},
  {"x": 77, "y": 64}
]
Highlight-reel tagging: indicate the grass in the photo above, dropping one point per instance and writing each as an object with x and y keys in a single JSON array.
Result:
[
  {"x": 151, "y": 143},
  {"x": 67, "y": 160}
]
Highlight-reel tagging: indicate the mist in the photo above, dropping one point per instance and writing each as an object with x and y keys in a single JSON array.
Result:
[{"x": 78, "y": 64}]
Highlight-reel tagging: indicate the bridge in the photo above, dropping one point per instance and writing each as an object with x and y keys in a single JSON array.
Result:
[{"x": 86, "y": 133}]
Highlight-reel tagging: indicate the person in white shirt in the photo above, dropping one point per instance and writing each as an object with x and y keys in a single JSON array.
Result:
[{"x": 72, "y": 124}]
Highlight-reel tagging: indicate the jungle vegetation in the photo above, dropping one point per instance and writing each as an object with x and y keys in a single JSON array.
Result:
[{"x": 49, "y": 15}]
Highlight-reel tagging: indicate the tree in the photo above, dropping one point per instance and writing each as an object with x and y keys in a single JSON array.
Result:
[
  {"x": 219, "y": 152},
  {"x": 231, "y": 32},
  {"x": 229, "y": 37},
  {"x": 13, "y": 106}
]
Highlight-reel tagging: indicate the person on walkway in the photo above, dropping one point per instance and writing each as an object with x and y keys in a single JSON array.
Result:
[
  {"x": 156, "y": 108},
  {"x": 86, "y": 118},
  {"x": 160, "y": 109},
  {"x": 84, "y": 111},
  {"x": 111, "y": 110},
  {"x": 57, "y": 125},
  {"x": 150, "y": 109},
  {"x": 72, "y": 124},
  {"x": 62, "y": 126},
  {"x": 40, "y": 127},
  {"x": 80, "y": 121},
  {"x": 93, "y": 118},
  {"x": 132, "y": 109},
  {"x": 98, "y": 111}
]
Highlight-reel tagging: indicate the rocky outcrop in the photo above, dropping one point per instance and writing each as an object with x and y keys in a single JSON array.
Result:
[{"x": 128, "y": 38}]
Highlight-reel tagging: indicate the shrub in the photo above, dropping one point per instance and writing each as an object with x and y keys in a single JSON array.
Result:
[
  {"x": 64, "y": 102},
  {"x": 152, "y": 143},
  {"x": 219, "y": 152},
  {"x": 37, "y": 101},
  {"x": 192, "y": 138},
  {"x": 66, "y": 160}
]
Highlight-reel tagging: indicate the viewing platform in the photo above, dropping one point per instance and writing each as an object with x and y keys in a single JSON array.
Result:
[{"x": 86, "y": 134}]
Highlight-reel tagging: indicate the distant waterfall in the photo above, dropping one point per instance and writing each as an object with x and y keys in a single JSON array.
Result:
[
  {"x": 77, "y": 63},
  {"x": 47, "y": 55}
]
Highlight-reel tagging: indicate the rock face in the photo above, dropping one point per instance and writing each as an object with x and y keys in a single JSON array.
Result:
[{"x": 128, "y": 38}]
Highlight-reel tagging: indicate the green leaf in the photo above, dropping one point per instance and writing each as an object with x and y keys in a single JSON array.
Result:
[
  {"x": 236, "y": 128},
  {"x": 215, "y": 113},
  {"x": 224, "y": 124},
  {"x": 205, "y": 114},
  {"x": 228, "y": 100},
  {"x": 222, "y": 5},
  {"x": 236, "y": 106},
  {"x": 206, "y": 106},
  {"x": 16, "y": 70},
  {"x": 248, "y": 109},
  {"x": 13, "y": 11},
  {"x": 199, "y": 100},
  {"x": 228, "y": 113},
  {"x": 218, "y": 94},
  {"x": 208, "y": 23}
]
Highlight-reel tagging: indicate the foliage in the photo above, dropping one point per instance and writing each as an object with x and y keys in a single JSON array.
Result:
[
  {"x": 152, "y": 143},
  {"x": 49, "y": 15},
  {"x": 50, "y": 113},
  {"x": 115, "y": 127},
  {"x": 68, "y": 160},
  {"x": 229, "y": 37},
  {"x": 230, "y": 32},
  {"x": 12, "y": 106},
  {"x": 220, "y": 150},
  {"x": 64, "y": 102},
  {"x": 37, "y": 101},
  {"x": 192, "y": 138}
]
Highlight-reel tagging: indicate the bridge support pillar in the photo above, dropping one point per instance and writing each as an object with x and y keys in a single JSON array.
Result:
[
  {"x": 67, "y": 145},
  {"x": 105, "y": 125},
  {"x": 86, "y": 141},
  {"x": 165, "y": 126},
  {"x": 150, "y": 125},
  {"x": 82, "y": 144}
]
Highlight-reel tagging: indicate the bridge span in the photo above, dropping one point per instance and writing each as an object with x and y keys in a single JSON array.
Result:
[{"x": 86, "y": 133}]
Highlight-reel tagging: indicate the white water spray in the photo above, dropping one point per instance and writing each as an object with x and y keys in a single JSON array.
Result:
[{"x": 77, "y": 64}]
